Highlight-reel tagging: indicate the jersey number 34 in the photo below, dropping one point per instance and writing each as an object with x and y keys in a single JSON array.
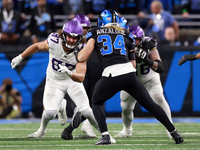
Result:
[{"x": 108, "y": 45}]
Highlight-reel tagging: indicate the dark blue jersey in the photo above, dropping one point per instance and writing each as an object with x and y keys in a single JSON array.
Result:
[{"x": 112, "y": 46}]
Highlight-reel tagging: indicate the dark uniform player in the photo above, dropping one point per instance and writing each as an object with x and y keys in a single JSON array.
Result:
[
  {"x": 112, "y": 46},
  {"x": 149, "y": 65}
]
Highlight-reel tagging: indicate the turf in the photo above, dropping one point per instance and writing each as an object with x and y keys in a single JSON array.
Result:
[{"x": 145, "y": 136}]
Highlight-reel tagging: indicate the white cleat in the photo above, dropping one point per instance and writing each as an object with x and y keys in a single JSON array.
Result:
[
  {"x": 87, "y": 128},
  {"x": 37, "y": 134},
  {"x": 123, "y": 134},
  {"x": 112, "y": 140},
  {"x": 169, "y": 135},
  {"x": 62, "y": 115}
]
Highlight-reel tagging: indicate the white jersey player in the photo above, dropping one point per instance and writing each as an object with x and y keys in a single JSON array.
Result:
[
  {"x": 64, "y": 75},
  {"x": 149, "y": 65}
]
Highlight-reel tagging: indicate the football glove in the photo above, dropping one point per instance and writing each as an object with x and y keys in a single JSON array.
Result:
[
  {"x": 185, "y": 58},
  {"x": 141, "y": 53},
  {"x": 64, "y": 69},
  {"x": 16, "y": 61},
  {"x": 144, "y": 56}
]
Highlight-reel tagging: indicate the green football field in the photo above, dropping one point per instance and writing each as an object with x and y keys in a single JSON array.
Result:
[{"x": 145, "y": 136}]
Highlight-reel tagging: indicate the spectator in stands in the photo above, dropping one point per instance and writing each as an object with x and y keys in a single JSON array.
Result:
[
  {"x": 73, "y": 7},
  {"x": 56, "y": 6},
  {"x": 167, "y": 5},
  {"x": 170, "y": 38},
  {"x": 131, "y": 7},
  {"x": 190, "y": 7},
  {"x": 42, "y": 22},
  {"x": 26, "y": 6},
  {"x": 10, "y": 103},
  {"x": 95, "y": 7},
  {"x": 197, "y": 42},
  {"x": 177, "y": 7},
  {"x": 159, "y": 21},
  {"x": 11, "y": 24}
]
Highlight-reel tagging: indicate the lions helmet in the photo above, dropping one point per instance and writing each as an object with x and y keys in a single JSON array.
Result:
[
  {"x": 123, "y": 23},
  {"x": 84, "y": 20},
  {"x": 74, "y": 29},
  {"x": 107, "y": 18}
]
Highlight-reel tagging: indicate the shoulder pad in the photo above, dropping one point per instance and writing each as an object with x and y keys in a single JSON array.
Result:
[
  {"x": 131, "y": 36},
  {"x": 90, "y": 33},
  {"x": 150, "y": 42}
]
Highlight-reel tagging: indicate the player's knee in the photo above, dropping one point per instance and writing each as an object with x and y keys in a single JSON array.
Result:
[
  {"x": 158, "y": 98},
  {"x": 127, "y": 111},
  {"x": 50, "y": 114},
  {"x": 83, "y": 108},
  {"x": 127, "y": 107}
]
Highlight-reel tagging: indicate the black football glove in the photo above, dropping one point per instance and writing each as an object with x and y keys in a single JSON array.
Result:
[
  {"x": 142, "y": 54},
  {"x": 185, "y": 58}
]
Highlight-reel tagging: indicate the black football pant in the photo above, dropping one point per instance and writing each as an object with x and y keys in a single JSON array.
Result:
[{"x": 107, "y": 87}]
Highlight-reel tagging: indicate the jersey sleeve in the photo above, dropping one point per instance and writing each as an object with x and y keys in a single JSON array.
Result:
[
  {"x": 91, "y": 34},
  {"x": 53, "y": 40},
  {"x": 153, "y": 44}
]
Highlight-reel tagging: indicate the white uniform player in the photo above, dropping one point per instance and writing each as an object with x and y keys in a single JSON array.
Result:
[
  {"x": 62, "y": 72},
  {"x": 149, "y": 66}
]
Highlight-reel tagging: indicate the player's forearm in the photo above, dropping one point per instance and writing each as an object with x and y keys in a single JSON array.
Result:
[
  {"x": 78, "y": 77},
  {"x": 198, "y": 56},
  {"x": 30, "y": 50}
]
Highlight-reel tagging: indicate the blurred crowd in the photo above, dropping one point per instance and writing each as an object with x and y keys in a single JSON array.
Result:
[{"x": 34, "y": 19}]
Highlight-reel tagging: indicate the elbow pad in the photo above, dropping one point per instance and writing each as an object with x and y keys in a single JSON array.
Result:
[{"x": 160, "y": 68}]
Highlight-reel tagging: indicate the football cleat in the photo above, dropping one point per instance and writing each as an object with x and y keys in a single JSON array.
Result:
[
  {"x": 177, "y": 137},
  {"x": 62, "y": 115},
  {"x": 105, "y": 140},
  {"x": 112, "y": 140},
  {"x": 67, "y": 135},
  {"x": 37, "y": 134},
  {"x": 76, "y": 118},
  {"x": 87, "y": 128}
]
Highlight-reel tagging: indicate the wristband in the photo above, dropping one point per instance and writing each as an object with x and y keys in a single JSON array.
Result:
[
  {"x": 20, "y": 56},
  {"x": 70, "y": 73},
  {"x": 148, "y": 62}
]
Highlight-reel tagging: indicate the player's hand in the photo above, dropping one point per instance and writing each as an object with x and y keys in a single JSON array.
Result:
[
  {"x": 16, "y": 61},
  {"x": 64, "y": 69},
  {"x": 141, "y": 54},
  {"x": 185, "y": 58}
]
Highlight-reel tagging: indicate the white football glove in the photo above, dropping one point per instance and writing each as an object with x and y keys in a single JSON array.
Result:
[
  {"x": 16, "y": 61},
  {"x": 64, "y": 69}
]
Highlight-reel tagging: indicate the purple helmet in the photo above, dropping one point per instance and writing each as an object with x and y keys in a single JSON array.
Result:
[
  {"x": 84, "y": 20},
  {"x": 137, "y": 32},
  {"x": 72, "y": 28}
]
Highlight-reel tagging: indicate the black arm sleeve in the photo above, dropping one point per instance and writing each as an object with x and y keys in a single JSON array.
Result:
[
  {"x": 160, "y": 68},
  {"x": 131, "y": 55}
]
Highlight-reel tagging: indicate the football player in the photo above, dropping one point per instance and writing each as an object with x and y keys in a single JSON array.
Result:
[
  {"x": 93, "y": 73},
  {"x": 148, "y": 67},
  {"x": 115, "y": 50},
  {"x": 64, "y": 75}
]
